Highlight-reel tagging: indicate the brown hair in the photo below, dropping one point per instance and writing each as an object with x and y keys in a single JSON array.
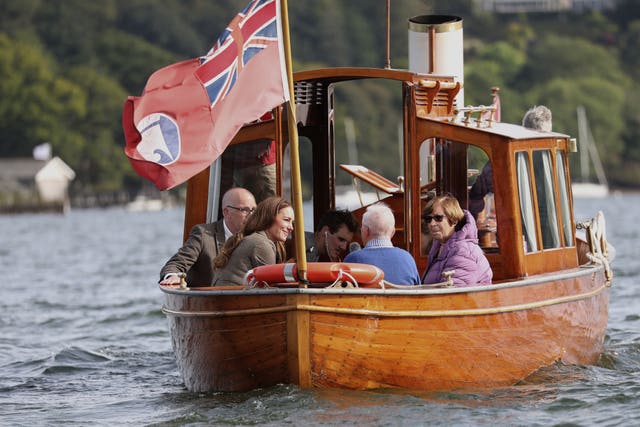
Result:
[
  {"x": 263, "y": 218},
  {"x": 450, "y": 207}
]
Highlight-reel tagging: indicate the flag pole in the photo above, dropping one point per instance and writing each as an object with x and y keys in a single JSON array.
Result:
[{"x": 296, "y": 185}]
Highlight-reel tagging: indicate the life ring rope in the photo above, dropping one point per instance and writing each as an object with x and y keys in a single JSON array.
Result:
[{"x": 352, "y": 282}]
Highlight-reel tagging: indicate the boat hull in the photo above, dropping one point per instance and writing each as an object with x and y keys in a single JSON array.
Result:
[{"x": 441, "y": 339}]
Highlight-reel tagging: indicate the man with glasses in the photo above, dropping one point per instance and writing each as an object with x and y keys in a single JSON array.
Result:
[{"x": 195, "y": 257}]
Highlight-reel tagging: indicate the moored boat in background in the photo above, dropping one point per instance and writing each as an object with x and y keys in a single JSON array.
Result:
[{"x": 585, "y": 187}]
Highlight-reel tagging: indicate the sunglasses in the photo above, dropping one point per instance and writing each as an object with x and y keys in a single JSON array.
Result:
[
  {"x": 245, "y": 211},
  {"x": 428, "y": 218}
]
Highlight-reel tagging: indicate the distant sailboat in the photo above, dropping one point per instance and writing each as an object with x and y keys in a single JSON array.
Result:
[{"x": 585, "y": 187}]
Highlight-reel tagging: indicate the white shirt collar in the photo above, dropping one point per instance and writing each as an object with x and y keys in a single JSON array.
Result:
[{"x": 227, "y": 232}]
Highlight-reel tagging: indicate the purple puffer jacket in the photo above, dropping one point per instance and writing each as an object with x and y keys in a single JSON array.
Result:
[{"x": 462, "y": 254}]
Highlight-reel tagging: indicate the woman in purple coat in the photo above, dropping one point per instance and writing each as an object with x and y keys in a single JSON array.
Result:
[{"x": 455, "y": 245}]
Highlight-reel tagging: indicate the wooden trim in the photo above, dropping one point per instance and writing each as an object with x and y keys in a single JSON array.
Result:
[
  {"x": 227, "y": 313},
  {"x": 455, "y": 313},
  {"x": 298, "y": 338},
  {"x": 298, "y": 322},
  {"x": 373, "y": 178},
  {"x": 197, "y": 200}
]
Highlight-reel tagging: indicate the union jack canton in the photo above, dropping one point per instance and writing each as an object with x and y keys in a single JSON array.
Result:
[{"x": 251, "y": 31}]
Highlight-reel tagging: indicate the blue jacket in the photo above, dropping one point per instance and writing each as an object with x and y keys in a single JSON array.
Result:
[{"x": 398, "y": 265}]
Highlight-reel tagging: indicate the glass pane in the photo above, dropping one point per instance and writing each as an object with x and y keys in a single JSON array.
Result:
[
  {"x": 306, "y": 175},
  {"x": 543, "y": 170},
  {"x": 526, "y": 202},
  {"x": 251, "y": 165},
  {"x": 481, "y": 197},
  {"x": 563, "y": 189},
  {"x": 427, "y": 188}
]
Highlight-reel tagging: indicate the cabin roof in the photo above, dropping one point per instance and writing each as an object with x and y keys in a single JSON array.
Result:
[
  {"x": 338, "y": 74},
  {"x": 507, "y": 130}
]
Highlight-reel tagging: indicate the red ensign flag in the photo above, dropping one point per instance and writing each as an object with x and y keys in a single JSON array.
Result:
[{"x": 190, "y": 111}]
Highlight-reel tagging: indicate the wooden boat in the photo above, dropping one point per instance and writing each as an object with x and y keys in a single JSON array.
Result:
[{"x": 548, "y": 301}]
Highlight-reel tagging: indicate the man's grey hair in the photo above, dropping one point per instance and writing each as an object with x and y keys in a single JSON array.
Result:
[
  {"x": 538, "y": 118},
  {"x": 233, "y": 195},
  {"x": 379, "y": 220}
]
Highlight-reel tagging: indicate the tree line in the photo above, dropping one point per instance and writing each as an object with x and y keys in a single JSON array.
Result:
[{"x": 66, "y": 67}]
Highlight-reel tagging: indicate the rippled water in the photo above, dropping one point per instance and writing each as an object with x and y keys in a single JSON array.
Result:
[{"x": 84, "y": 342}]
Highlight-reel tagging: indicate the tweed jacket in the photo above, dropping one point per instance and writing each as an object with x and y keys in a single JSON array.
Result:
[
  {"x": 196, "y": 256},
  {"x": 254, "y": 250}
]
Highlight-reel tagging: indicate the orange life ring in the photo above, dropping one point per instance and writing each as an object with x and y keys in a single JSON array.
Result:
[{"x": 317, "y": 272}]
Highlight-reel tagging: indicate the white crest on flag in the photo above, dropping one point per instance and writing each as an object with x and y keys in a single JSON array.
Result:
[{"x": 160, "y": 139}]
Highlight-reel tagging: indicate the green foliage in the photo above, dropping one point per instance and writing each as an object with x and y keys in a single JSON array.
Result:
[
  {"x": 70, "y": 28},
  {"x": 603, "y": 102},
  {"x": 629, "y": 52},
  {"x": 160, "y": 24},
  {"x": 129, "y": 60},
  {"x": 558, "y": 56},
  {"x": 103, "y": 165},
  {"x": 376, "y": 110},
  {"x": 34, "y": 102}
]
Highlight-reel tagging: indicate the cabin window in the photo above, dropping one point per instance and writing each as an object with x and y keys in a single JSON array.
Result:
[
  {"x": 563, "y": 190},
  {"x": 427, "y": 166},
  {"x": 251, "y": 165},
  {"x": 306, "y": 175},
  {"x": 543, "y": 171},
  {"x": 464, "y": 171},
  {"x": 526, "y": 202},
  {"x": 481, "y": 203},
  {"x": 427, "y": 188}
]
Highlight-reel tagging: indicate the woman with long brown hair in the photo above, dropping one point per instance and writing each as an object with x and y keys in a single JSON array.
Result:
[{"x": 261, "y": 242}]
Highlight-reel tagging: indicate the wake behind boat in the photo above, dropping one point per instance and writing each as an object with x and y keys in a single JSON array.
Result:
[{"x": 548, "y": 301}]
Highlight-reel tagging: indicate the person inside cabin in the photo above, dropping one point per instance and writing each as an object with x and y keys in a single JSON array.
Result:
[
  {"x": 455, "y": 245},
  {"x": 332, "y": 237},
  {"x": 480, "y": 188},
  {"x": 425, "y": 236},
  {"x": 252, "y": 165},
  {"x": 378, "y": 227},
  {"x": 537, "y": 118},
  {"x": 261, "y": 242},
  {"x": 195, "y": 257},
  {"x": 255, "y": 167}
]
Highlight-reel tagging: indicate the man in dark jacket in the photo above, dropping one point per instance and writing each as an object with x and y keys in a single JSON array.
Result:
[
  {"x": 195, "y": 257},
  {"x": 330, "y": 241}
]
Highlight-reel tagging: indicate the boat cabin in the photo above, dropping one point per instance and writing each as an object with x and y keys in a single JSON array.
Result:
[{"x": 526, "y": 226}]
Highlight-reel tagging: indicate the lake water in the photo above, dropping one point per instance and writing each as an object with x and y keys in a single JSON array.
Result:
[{"x": 83, "y": 341}]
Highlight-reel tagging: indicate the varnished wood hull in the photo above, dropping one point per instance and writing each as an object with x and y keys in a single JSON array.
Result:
[{"x": 444, "y": 339}]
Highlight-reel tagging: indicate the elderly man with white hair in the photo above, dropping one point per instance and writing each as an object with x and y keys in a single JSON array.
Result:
[
  {"x": 538, "y": 118},
  {"x": 377, "y": 229}
]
